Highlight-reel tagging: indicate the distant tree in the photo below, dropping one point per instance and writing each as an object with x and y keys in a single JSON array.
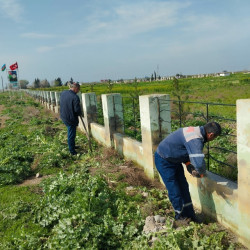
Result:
[
  {"x": 179, "y": 92},
  {"x": 36, "y": 83},
  {"x": 136, "y": 108},
  {"x": 23, "y": 84},
  {"x": 152, "y": 77},
  {"x": 69, "y": 82},
  {"x": 155, "y": 75},
  {"x": 44, "y": 84},
  {"x": 92, "y": 87},
  {"x": 58, "y": 82},
  {"x": 110, "y": 86}
]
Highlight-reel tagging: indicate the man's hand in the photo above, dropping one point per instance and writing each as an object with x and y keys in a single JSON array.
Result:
[
  {"x": 190, "y": 167},
  {"x": 196, "y": 174},
  {"x": 192, "y": 171}
]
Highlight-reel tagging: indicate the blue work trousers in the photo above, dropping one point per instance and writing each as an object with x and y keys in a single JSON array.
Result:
[
  {"x": 71, "y": 138},
  {"x": 175, "y": 181}
]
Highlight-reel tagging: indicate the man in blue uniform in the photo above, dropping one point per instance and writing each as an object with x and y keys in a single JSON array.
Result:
[
  {"x": 70, "y": 109},
  {"x": 182, "y": 146}
]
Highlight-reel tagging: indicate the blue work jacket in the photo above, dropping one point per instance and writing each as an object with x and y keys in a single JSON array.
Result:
[
  {"x": 183, "y": 145},
  {"x": 70, "y": 108}
]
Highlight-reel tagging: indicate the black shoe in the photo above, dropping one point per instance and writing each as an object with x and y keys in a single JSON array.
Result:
[
  {"x": 181, "y": 222},
  {"x": 77, "y": 147},
  {"x": 73, "y": 153}
]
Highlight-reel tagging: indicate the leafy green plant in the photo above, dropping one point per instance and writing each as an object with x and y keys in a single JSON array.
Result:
[{"x": 82, "y": 211}]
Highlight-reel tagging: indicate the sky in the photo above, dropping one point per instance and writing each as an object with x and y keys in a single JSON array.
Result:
[{"x": 91, "y": 40}]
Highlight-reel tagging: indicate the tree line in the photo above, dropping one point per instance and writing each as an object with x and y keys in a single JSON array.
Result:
[{"x": 37, "y": 83}]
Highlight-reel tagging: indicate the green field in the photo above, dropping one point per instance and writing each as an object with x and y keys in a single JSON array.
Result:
[
  {"x": 82, "y": 202},
  {"x": 209, "y": 89},
  {"x": 195, "y": 101}
]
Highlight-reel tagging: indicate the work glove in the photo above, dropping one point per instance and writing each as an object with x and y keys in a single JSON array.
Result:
[{"x": 192, "y": 171}]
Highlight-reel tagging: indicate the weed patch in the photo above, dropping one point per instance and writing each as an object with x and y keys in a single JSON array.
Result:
[{"x": 95, "y": 201}]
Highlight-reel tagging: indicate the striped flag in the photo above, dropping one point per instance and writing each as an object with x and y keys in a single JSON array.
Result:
[
  {"x": 4, "y": 67},
  {"x": 14, "y": 66}
]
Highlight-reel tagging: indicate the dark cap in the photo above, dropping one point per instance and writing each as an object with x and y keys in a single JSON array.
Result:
[{"x": 75, "y": 85}]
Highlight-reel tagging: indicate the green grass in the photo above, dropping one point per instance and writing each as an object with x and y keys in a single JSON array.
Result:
[
  {"x": 210, "y": 89},
  {"x": 73, "y": 208},
  {"x": 16, "y": 217}
]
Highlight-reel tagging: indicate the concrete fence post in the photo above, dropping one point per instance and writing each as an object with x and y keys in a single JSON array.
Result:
[
  {"x": 155, "y": 125},
  {"x": 243, "y": 159},
  {"x": 89, "y": 107},
  {"x": 113, "y": 116},
  {"x": 43, "y": 97},
  {"x": 47, "y": 99},
  {"x": 39, "y": 96},
  {"x": 53, "y": 100},
  {"x": 57, "y": 104}
]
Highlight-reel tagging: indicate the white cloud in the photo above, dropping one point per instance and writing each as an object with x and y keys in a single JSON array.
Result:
[
  {"x": 37, "y": 35},
  {"x": 44, "y": 49},
  {"x": 124, "y": 21},
  {"x": 12, "y": 9},
  {"x": 135, "y": 18}
]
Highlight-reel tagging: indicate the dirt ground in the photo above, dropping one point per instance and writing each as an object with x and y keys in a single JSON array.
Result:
[
  {"x": 3, "y": 118},
  {"x": 33, "y": 180}
]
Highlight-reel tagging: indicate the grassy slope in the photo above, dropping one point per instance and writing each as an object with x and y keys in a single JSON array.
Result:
[
  {"x": 18, "y": 204},
  {"x": 210, "y": 89}
]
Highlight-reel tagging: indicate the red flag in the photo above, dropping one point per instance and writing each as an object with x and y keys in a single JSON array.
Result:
[{"x": 14, "y": 66}]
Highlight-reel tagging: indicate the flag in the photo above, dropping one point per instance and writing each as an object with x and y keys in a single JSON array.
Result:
[
  {"x": 14, "y": 66},
  {"x": 12, "y": 76},
  {"x": 4, "y": 67}
]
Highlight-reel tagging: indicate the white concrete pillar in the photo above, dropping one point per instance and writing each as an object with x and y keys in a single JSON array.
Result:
[
  {"x": 89, "y": 107},
  {"x": 52, "y": 100},
  {"x": 243, "y": 159},
  {"x": 57, "y": 100},
  {"x": 155, "y": 126},
  {"x": 113, "y": 115},
  {"x": 47, "y": 105},
  {"x": 43, "y": 97}
]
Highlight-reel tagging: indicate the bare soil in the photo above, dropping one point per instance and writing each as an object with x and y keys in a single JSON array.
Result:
[
  {"x": 34, "y": 180},
  {"x": 3, "y": 118},
  {"x": 128, "y": 172}
]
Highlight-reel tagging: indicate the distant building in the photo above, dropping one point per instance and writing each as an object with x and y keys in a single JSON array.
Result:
[{"x": 225, "y": 73}]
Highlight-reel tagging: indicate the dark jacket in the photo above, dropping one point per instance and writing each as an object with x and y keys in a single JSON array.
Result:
[
  {"x": 70, "y": 108},
  {"x": 183, "y": 145}
]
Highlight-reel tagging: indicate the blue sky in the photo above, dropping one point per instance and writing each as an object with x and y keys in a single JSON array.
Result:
[{"x": 90, "y": 40}]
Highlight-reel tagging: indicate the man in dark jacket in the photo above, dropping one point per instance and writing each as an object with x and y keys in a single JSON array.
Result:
[
  {"x": 182, "y": 146},
  {"x": 70, "y": 109}
]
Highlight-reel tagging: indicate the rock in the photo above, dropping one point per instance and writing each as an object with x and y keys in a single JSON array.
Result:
[
  {"x": 145, "y": 194},
  {"x": 152, "y": 226},
  {"x": 38, "y": 175},
  {"x": 123, "y": 167},
  {"x": 163, "y": 220},
  {"x": 154, "y": 239},
  {"x": 130, "y": 188},
  {"x": 157, "y": 218},
  {"x": 149, "y": 226}
]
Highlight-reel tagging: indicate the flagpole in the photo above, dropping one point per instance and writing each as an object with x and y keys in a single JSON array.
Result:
[
  {"x": 19, "y": 86},
  {"x": 2, "y": 83},
  {"x": 7, "y": 78}
]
